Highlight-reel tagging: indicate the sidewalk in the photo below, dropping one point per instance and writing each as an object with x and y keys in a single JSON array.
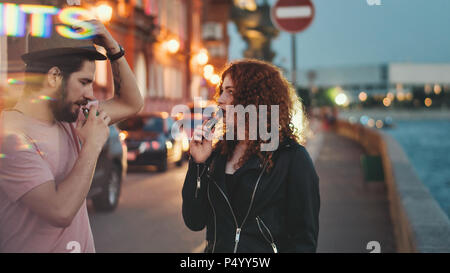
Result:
[{"x": 352, "y": 212}]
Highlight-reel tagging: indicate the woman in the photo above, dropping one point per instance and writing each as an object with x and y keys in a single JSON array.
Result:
[{"x": 252, "y": 200}]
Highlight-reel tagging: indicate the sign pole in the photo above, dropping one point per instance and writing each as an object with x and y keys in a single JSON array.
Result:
[
  {"x": 294, "y": 61},
  {"x": 292, "y": 16}
]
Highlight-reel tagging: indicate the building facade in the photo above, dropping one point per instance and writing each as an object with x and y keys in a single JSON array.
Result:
[
  {"x": 379, "y": 80},
  {"x": 162, "y": 39}
]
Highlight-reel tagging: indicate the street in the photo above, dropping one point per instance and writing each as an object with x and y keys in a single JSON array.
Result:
[{"x": 148, "y": 217}]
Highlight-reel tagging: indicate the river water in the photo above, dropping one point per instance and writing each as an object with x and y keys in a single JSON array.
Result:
[{"x": 427, "y": 144}]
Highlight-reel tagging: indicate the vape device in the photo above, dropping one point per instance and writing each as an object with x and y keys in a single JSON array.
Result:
[
  {"x": 212, "y": 121},
  {"x": 86, "y": 109}
]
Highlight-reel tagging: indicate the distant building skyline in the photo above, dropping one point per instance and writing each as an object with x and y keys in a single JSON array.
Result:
[{"x": 352, "y": 33}]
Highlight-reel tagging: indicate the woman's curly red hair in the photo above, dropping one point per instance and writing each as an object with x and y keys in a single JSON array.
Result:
[{"x": 260, "y": 83}]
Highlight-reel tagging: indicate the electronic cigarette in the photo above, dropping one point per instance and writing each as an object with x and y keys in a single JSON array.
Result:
[
  {"x": 86, "y": 109},
  {"x": 212, "y": 121},
  {"x": 86, "y": 112}
]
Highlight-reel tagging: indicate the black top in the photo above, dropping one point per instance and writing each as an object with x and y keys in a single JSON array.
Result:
[{"x": 230, "y": 182}]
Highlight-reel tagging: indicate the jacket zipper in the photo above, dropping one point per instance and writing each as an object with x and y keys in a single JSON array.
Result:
[
  {"x": 199, "y": 179},
  {"x": 198, "y": 187},
  {"x": 214, "y": 212},
  {"x": 238, "y": 229},
  {"x": 271, "y": 241}
]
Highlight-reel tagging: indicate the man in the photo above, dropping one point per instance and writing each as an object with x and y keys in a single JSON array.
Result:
[{"x": 45, "y": 175}]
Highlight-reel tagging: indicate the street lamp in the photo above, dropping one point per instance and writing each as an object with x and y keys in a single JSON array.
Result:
[
  {"x": 215, "y": 79},
  {"x": 362, "y": 96},
  {"x": 341, "y": 99},
  {"x": 103, "y": 12},
  {"x": 202, "y": 57},
  {"x": 172, "y": 46},
  {"x": 208, "y": 71}
]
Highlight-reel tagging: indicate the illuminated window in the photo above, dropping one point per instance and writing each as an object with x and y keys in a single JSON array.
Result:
[
  {"x": 3, "y": 61},
  {"x": 153, "y": 80},
  {"x": 152, "y": 7},
  {"x": 218, "y": 50},
  {"x": 160, "y": 82},
  {"x": 168, "y": 81},
  {"x": 173, "y": 83},
  {"x": 212, "y": 31},
  {"x": 162, "y": 14},
  {"x": 141, "y": 73}
]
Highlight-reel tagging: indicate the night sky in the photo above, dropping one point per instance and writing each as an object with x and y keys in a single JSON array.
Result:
[{"x": 351, "y": 32}]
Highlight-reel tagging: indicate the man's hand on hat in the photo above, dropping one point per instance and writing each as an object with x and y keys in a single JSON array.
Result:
[{"x": 104, "y": 38}]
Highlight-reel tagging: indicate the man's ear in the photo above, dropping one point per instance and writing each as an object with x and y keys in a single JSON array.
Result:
[{"x": 54, "y": 77}]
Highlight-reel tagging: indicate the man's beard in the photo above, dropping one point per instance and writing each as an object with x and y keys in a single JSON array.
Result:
[{"x": 61, "y": 108}]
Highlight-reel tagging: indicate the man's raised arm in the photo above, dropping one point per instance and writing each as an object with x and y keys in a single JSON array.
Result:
[{"x": 127, "y": 99}]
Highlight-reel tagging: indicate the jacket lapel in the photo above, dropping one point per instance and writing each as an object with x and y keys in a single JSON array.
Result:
[{"x": 218, "y": 173}]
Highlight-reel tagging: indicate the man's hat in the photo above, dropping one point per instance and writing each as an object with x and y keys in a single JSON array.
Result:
[{"x": 56, "y": 45}]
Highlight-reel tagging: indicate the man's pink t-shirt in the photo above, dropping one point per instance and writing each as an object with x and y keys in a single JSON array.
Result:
[{"x": 32, "y": 153}]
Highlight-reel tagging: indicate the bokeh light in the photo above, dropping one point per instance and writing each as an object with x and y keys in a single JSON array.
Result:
[
  {"x": 362, "y": 96},
  {"x": 341, "y": 99},
  {"x": 103, "y": 12},
  {"x": 379, "y": 124},
  {"x": 208, "y": 71},
  {"x": 427, "y": 89},
  {"x": 437, "y": 89},
  {"x": 215, "y": 79},
  {"x": 202, "y": 57},
  {"x": 172, "y": 46}
]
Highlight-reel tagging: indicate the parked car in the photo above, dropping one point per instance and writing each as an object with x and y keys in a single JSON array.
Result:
[
  {"x": 151, "y": 141},
  {"x": 109, "y": 172}
]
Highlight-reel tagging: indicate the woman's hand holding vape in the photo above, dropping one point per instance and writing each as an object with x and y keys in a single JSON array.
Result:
[{"x": 201, "y": 143}]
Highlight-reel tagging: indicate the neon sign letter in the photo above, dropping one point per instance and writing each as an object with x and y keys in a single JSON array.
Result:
[
  {"x": 40, "y": 19},
  {"x": 13, "y": 18},
  {"x": 74, "y": 17}
]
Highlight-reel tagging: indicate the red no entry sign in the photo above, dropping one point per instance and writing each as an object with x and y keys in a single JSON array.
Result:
[{"x": 292, "y": 15}]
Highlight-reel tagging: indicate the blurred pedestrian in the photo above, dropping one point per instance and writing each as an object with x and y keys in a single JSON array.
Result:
[
  {"x": 45, "y": 175},
  {"x": 251, "y": 200}
]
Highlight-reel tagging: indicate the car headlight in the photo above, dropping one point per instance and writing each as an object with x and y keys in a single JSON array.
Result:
[
  {"x": 185, "y": 144},
  {"x": 169, "y": 145},
  {"x": 144, "y": 146},
  {"x": 123, "y": 135}
]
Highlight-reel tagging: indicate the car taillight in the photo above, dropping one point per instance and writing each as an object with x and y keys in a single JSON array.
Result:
[{"x": 155, "y": 145}]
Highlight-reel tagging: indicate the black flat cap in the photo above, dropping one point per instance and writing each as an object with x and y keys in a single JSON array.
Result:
[{"x": 56, "y": 45}]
